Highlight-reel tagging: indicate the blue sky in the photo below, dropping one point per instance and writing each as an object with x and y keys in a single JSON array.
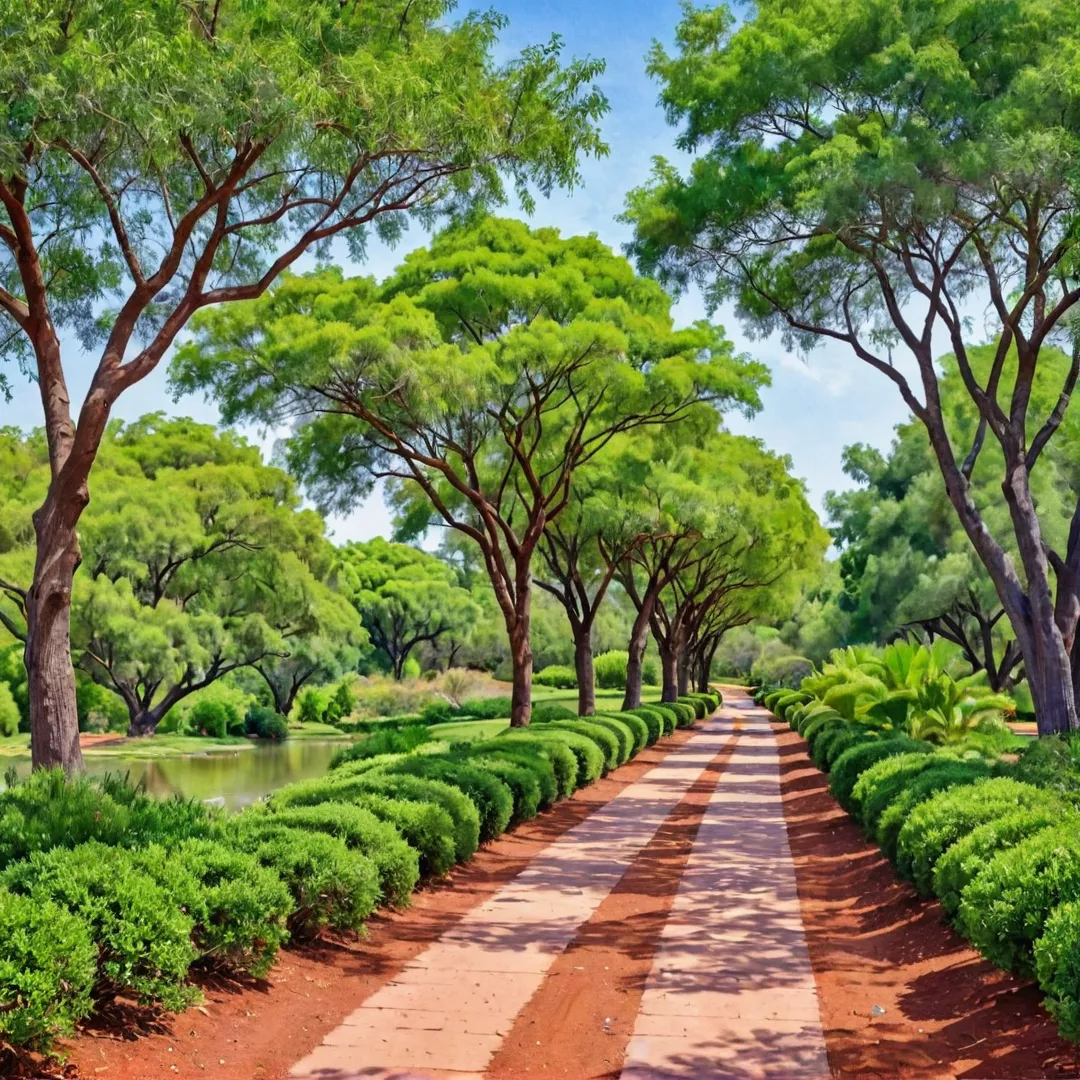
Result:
[{"x": 815, "y": 407}]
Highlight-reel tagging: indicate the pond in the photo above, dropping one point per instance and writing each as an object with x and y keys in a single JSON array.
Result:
[{"x": 228, "y": 778}]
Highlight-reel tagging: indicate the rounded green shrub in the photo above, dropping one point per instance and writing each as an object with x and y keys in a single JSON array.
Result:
[
  {"x": 561, "y": 758},
  {"x": 425, "y": 827},
  {"x": 448, "y": 797},
  {"x": 1004, "y": 910},
  {"x": 48, "y": 967},
  {"x": 531, "y": 759},
  {"x": 885, "y": 781},
  {"x": 696, "y": 703},
  {"x": 143, "y": 938},
  {"x": 604, "y": 739},
  {"x": 967, "y": 858},
  {"x": 488, "y": 793},
  {"x": 686, "y": 710},
  {"x": 817, "y": 727},
  {"x": 589, "y": 756},
  {"x": 558, "y": 676},
  {"x": 936, "y": 824},
  {"x": 852, "y": 763},
  {"x": 623, "y": 731},
  {"x": 638, "y": 729},
  {"x": 667, "y": 714},
  {"x": 1057, "y": 968},
  {"x": 551, "y": 710},
  {"x": 265, "y": 723},
  {"x": 522, "y": 782},
  {"x": 330, "y": 885},
  {"x": 390, "y": 740},
  {"x": 397, "y": 864},
  {"x": 239, "y": 908},
  {"x": 946, "y": 772},
  {"x": 652, "y": 719}
]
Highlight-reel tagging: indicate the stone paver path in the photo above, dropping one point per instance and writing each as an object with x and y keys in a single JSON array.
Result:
[{"x": 731, "y": 993}]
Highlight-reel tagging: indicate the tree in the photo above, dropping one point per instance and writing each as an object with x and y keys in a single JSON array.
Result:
[
  {"x": 157, "y": 158},
  {"x": 480, "y": 377},
  {"x": 196, "y": 565},
  {"x": 867, "y": 174},
  {"x": 405, "y": 597}
]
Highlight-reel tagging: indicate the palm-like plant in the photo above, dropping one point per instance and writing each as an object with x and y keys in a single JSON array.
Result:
[{"x": 947, "y": 709}]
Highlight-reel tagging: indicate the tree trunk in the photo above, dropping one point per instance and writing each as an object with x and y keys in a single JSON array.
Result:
[
  {"x": 583, "y": 665},
  {"x": 54, "y": 717},
  {"x": 521, "y": 649},
  {"x": 639, "y": 640},
  {"x": 669, "y": 666},
  {"x": 684, "y": 663},
  {"x": 144, "y": 723}
]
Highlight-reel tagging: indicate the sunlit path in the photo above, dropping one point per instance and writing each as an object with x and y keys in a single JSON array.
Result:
[{"x": 731, "y": 993}]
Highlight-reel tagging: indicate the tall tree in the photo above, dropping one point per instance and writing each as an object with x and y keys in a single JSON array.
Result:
[
  {"x": 867, "y": 174},
  {"x": 405, "y": 597},
  {"x": 197, "y": 564},
  {"x": 157, "y": 158},
  {"x": 489, "y": 369}
]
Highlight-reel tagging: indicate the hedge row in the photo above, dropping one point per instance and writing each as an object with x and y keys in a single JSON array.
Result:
[
  {"x": 105, "y": 891},
  {"x": 1002, "y": 854}
]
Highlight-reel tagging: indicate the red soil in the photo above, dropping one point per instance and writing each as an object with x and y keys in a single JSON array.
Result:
[
  {"x": 261, "y": 1029},
  {"x": 583, "y": 1015},
  {"x": 874, "y": 941}
]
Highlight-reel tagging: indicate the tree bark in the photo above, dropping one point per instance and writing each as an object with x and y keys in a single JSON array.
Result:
[
  {"x": 669, "y": 666},
  {"x": 521, "y": 655},
  {"x": 54, "y": 718},
  {"x": 583, "y": 665},
  {"x": 684, "y": 663},
  {"x": 639, "y": 640}
]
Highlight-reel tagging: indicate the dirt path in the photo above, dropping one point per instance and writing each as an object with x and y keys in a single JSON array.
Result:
[{"x": 705, "y": 912}]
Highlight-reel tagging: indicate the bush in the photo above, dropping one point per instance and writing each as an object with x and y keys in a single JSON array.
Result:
[
  {"x": 1057, "y": 967},
  {"x": 623, "y": 735},
  {"x": 398, "y": 865},
  {"x": 490, "y": 795},
  {"x": 1052, "y": 762},
  {"x": 836, "y": 741},
  {"x": 532, "y": 757},
  {"x": 685, "y": 712},
  {"x": 9, "y": 716},
  {"x": 885, "y": 781},
  {"x": 668, "y": 716},
  {"x": 48, "y": 964},
  {"x": 330, "y": 885},
  {"x": 938, "y": 823},
  {"x": 604, "y": 739},
  {"x": 438, "y": 712},
  {"x": 851, "y": 764},
  {"x": 557, "y": 675},
  {"x": 610, "y": 670},
  {"x": 946, "y": 772},
  {"x": 587, "y": 754},
  {"x": 425, "y": 827},
  {"x": 639, "y": 730},
  {"x": 696, "y": 703},
  {"x": 144, "y": 940},
  {"x": 551, "y": 710},
  {"x": 1005, "y": 908},
  {"x": 265, "y": 723},
  {"x": 963, "y": 862},
  {"x": 562, "y": 759},
  {"x": 47, "y": 810},
  {"x": 485, "y": 708},
  {"x": 211, "y": 718},
  {"x": 522, "y": 782},
  {"x": 461, "y": 809},
  {"x": 817, "y": 727},
  {"x": 341, "y": 705},
  {"x": 240, "y": 910},
  {"x": 653, "y": 720},
  {"x": 402, "y": 740}
]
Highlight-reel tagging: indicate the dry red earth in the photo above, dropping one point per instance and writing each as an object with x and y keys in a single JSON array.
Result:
[{"x": 874, "y": 941}]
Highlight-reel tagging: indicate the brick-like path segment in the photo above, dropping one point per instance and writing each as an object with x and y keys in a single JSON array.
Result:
[{"x": 731, "y": 993}]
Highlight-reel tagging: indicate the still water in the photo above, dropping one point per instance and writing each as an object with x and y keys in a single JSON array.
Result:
[{"x": 227, "y": 778}]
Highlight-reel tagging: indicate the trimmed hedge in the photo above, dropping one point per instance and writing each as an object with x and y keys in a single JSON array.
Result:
[
  {"x": 853, "y": 762},
  {"x": 668, "y": 716},
  {"x": 637, "y": 727},
  {"x": 966, "y": 859},
  {"x": 558, "y": 754},
  {"x": 1005, "y": 908},
  {"x": 588, "y": 756},
  {"x": 604, "y": 739},
  {"x": 884, "y": 782},
  {"x": 938, "y": 823},
  {"x": 522, "y": 782},
  {"x": 652, "y": 719},
  {"x": 1057, "y": 967},
  {"x": 532, "y": 759},
  {"x": 623, "y": 735}
]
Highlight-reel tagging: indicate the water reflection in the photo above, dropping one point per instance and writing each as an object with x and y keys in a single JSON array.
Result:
[{"x": 229, "y": 778}]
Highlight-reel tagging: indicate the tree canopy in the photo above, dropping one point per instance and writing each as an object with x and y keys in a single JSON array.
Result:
[{"x": 863, "y": 174}]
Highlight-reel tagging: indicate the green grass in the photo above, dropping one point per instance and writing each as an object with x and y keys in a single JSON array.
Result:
[{"x": 471, "y": 730}]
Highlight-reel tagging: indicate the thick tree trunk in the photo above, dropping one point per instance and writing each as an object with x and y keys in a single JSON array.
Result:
[
  {"x": 144, "y": 723},
  {"x": 684, "y": 662},
  {"x": 583, "y": 665},
  {"x": 639, "y": 641},
  {"x": 54, "y": 718}
]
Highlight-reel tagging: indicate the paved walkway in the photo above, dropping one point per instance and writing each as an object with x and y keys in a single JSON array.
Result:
[{"x": 731, "y": 992}]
